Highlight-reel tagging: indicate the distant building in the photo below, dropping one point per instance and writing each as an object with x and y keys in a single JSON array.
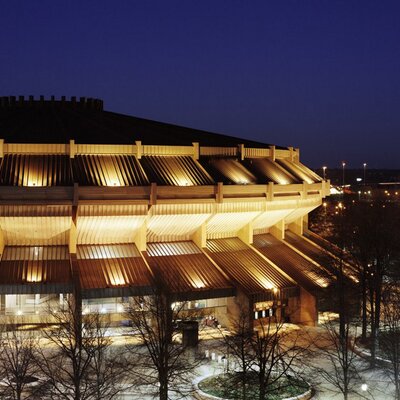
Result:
[{"x": 105, "y": 202}]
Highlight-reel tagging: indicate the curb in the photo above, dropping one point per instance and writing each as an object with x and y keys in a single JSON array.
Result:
[{"x": 205, "y": 396}]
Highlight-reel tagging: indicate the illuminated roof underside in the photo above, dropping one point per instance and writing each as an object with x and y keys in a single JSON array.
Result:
[
  {"x": 243, "y": 265},
  {"x": 306, "y": 273},
  {"x": 112, "y": 270},
  {"x": 186, "y": 270},
  {"x": 35, "y": 269}
]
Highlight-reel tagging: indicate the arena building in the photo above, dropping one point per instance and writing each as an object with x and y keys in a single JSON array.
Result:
[{"x": 105, "y": 202}]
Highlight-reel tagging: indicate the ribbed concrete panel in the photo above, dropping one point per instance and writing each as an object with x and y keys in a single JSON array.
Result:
[
  {"x": 35, "y": 170},
  {"x": 108, "y": 229},
  {"x": 175, "y": 171},
  {"x": 172, "y": 249},
  {"x": 108, "y": 170},
  {"x": 308, "y": 171},
  {"x": 311, "y": 250},
  {"x": 112, "y": 266},
  {"x": 184, "y": 268},
  {"x": 240, "y": 206},
  {"x": 95, "y": 210},
  {"x": 299, "y": 212},
  {"x": 307, "y": 274},
  {"x": 27, "y": 266},
  {"x": 295, "y": 169},
  {"x": 35, "y": 210},
  {"x": 267, "y": 170},
  {"x": 246, "y": 267},
  {"x": 185, "y": 208},
  {"x": 40, "y": 231},
  {"x": 325, "y": 247},
  {"x": 228, "y": 170},
  {"x": 173, "y": 227},
  {"x": 270, "y": 218},
  {"x": 228, "y": 223}
]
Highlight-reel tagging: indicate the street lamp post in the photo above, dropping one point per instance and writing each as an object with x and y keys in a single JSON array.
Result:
[
  {"x": 365, "y": 171},
  {"x": 324, "y": 172},
  {"x": 343, "y": 181}
]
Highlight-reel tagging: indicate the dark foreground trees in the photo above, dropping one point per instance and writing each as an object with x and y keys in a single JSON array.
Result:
[
  {"x": 161, "y": 361},
  {"x": 366, "y": 233},
  {"x": 389, "y": 340},
  {"x": 78, "y": 360},
  {"x": 267, "y": 352},
  {"x": 18, "y": 367}
]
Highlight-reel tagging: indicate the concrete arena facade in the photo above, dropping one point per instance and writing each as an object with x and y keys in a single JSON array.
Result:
[{"x": 106, "y": 202}]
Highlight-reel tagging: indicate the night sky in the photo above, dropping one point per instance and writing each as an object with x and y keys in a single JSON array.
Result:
[{"x": 320, "y": 75}]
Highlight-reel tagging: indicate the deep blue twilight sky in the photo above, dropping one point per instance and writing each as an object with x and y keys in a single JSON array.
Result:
[{"x": 316, "y": 74}]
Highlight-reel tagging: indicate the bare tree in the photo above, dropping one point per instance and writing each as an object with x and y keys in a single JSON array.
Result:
[
  {"x": 337, "y": 347},
  {"x": 79, "y": 362},
  {"x": 276, "y": 353},
  {"x": 161, "y": 361},
  {"x": 390, "y": 338},
  {"x": 18, "y": 369},
  {"x": 267, "y": 354},
  {"x": 375, "y": 231},
  {"x": 238, "y": 343}
]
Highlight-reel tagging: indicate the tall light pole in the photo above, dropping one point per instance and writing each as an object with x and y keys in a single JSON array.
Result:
[
  {"x": 324, "y": 172},
  {"x": 365, "y": 171},
  {"x": 343, "y": 166}
]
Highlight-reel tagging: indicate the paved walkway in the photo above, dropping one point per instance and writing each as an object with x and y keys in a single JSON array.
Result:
[{"x": 379, "y": 385}]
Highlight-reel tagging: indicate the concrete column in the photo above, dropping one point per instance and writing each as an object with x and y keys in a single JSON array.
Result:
[
  {"x": 246, "y": 233},
  {"x": 291, "y": 153},
  {"x": 73, "y": 231},
  {"x": 297, "y": 226},
  {"x": 73, "y": 236},
  {"x": 270, "y": 191},
  {"x": 278, "y": 230},
  {"x": 272, "y": 152},
  {"x": 238, "y": 307},
  {"x": 303, "y": 309},
  {"x": 153, "y": 194},
  {"x": 200, "y": 236},
  {"x": 2, "y": 242},
  {"x": 241, "y": 151},
  {"x": 139, "y": 149},
  {"x": 140, "y": 239},
  {"x": 305, "y": 221},
  {"x": 72, "y": 148},
  {"x": 196, "y": 150},
  {"x": 219, "y": 195}
]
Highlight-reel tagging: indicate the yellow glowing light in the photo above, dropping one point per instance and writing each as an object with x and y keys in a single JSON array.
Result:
[
  {"x": 198, "y": 284},
  {"x": 19, "y": 312},
  {"x": 266, "y": 284},
  {"x": 182, "y": 181},
  {"x": 116, "y": 281},
  {"x": 34, "y": 278},
  {"x": 322, "y": 282}
]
